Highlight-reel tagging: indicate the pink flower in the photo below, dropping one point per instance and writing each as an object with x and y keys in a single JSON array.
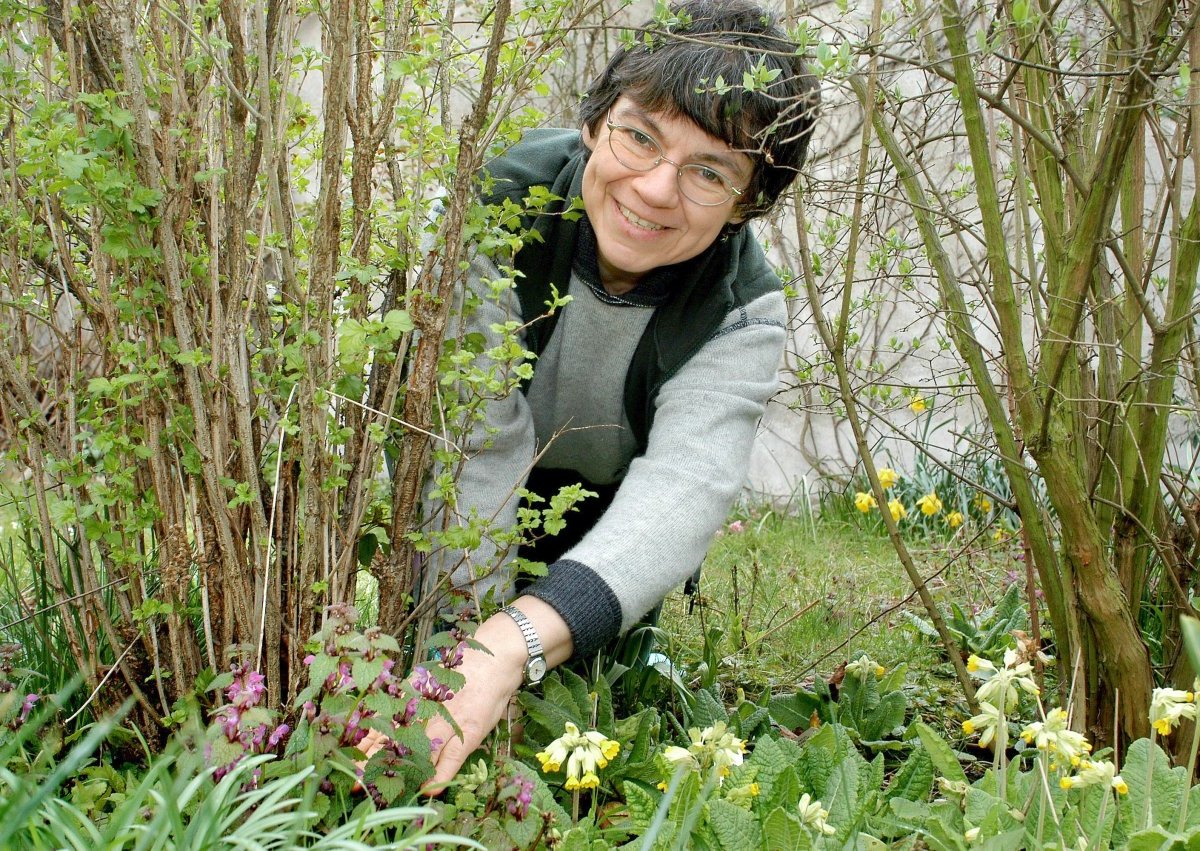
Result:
[{"x": 737, "y": 526}]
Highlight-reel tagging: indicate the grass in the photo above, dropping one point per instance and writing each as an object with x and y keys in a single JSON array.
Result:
[{"x": 792, "y": 599}]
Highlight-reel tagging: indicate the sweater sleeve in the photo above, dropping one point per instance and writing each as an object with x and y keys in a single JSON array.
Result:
[
  {"x": 498, "y": 450},
  {"x": 675, "y": 496}
]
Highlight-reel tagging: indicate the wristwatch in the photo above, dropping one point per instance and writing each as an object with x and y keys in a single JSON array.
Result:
[{"x": 535, "y": 666}]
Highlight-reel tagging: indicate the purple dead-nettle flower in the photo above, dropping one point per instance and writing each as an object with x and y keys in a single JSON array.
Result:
[
  {"x": 518, "y": 805},
  {"x": 257, "y": 736},
  {"x": 278, "y": 737},
  {"x": 247, "y": 689},
  {"x": 409, "y": 714},
  {"x": 27, "y": 707},
  {"x": 310, "y": 710},
  {"x": 310, "y": 658},
  {"x": 353, "y": 734},
  {"x": 428, "y": 687},
  {"x": 452, "y": 657}
]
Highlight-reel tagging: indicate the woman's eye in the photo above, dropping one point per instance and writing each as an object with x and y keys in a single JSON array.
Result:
[
  {"x": 710, "y": 176},
  {"x": 642, "y": 140}
]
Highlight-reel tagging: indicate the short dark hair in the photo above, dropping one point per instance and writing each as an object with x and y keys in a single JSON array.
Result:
[{"x": 674, "y": 67}]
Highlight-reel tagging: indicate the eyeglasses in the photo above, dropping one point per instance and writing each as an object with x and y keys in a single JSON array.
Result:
[{"x": 638, "y": 150}]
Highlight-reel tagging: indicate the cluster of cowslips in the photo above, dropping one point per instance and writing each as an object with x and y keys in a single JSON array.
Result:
[
  {"x": 1096, "y": 773},
  {"x": 1052, "y": 736},
  {"x": 244, "y": 722},
  {"x": 1169, "y": 706},
  {"x": 1002, "y": 686},
  {"x": 582, "y": 753},
  {"x": 711, "y": 748},
  {"x": 998, "y": 694}
]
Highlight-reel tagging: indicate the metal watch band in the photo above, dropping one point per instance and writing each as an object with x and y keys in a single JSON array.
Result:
[{"x": 535, "y": 667}]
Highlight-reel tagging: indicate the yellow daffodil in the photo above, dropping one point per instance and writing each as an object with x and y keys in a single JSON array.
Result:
[
  {"x": 954, "y": 519},
  {"x": 864, "y": 502},
  {"x": 583, "y": 754},
  {"x": 1099, "y": 773},
  {"x": 888, "y": 477},
  {"x": 1169, "y": 706},
  {"x": 899, "y": 512},
  {"x": 813, "y": 815},
  {"x": 982, "y": 503},
  {"x": 930, "y": 504},
  {"x": 1055, "y": 737},
  {"x": 917, "y": 405}
]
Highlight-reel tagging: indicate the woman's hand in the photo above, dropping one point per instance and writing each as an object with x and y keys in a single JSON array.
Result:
[{"x": 493, "y": 674}]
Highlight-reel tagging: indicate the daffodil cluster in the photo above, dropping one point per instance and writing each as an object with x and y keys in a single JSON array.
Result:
[
  {"x": 1054, "y": 737},
  {"x": 583, "y": 754},
  {"x": 1098, "y": 773},
  {"x": 813, "y": 815},
  {"x": 712, "y": 747},
  {"x": 1002, "y": 686},
  {"x": 1169, "y": 706}
]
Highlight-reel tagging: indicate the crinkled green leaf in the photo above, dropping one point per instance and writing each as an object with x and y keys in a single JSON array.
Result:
[
  {"x": 782, "y": 829},
  {"x": 942, "y": 755},
  {"x": 736, "y": 829}
]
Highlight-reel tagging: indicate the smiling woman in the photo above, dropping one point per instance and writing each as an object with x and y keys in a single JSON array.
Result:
[{"x": 648, "y": 386}]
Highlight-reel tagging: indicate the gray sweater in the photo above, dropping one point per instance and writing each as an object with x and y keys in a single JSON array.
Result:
[{"x": 671, "y": 499}]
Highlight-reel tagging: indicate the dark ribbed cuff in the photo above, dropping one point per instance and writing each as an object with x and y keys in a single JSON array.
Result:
[{"x": 584, "y": 600}]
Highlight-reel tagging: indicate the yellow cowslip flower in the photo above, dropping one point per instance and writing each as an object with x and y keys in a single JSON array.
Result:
[
  {"x": 954, "y": 519},
  {"x": 1100, "y": 773},
  {"x": 864, "y": 502},
  {"x": 930, "y": 504},
  {"x": 899, "y": 512},
  {"x": 1002, "y": 686},
  {"x": 1054, "y": 736},
  {"x": 982, "y": 503},
  {"x": 864, "y": 666},
  {"x": 813, "y": 815},
  {"x": 888, "y": 477},
  {"x": 743, "y": 796},
  {"x": 985, "y": 723},
  {"x": 1169, "y": 706},
  {"x": 583, "y": 754},
  {"x": 712, "y": 747},
  {"x": 917, "y": 405}
]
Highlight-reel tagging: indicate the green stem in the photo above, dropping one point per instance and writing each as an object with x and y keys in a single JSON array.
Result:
[
  {"x": 999, "y": 763},
  {"x": 1149, "y": 781},
  {"x": 1191, "y": 774}
]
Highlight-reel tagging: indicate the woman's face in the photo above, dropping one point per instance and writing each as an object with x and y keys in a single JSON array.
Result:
[{"x": 641, "y": 219}]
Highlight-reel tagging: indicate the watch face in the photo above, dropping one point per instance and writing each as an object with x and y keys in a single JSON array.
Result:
[{"x": 535, "y": 669}]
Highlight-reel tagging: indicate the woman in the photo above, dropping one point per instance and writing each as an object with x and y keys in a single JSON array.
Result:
[{"x": 649, "y": 384}]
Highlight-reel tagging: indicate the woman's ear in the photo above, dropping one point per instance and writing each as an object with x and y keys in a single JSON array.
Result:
[{"x": 589, "y": 138}]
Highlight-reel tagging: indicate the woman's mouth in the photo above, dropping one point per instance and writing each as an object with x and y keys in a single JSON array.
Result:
[{"x": 636, "y": 220}]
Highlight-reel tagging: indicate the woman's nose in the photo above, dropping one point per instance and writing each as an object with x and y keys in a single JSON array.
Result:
[{"x": 659, "y": 187}]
